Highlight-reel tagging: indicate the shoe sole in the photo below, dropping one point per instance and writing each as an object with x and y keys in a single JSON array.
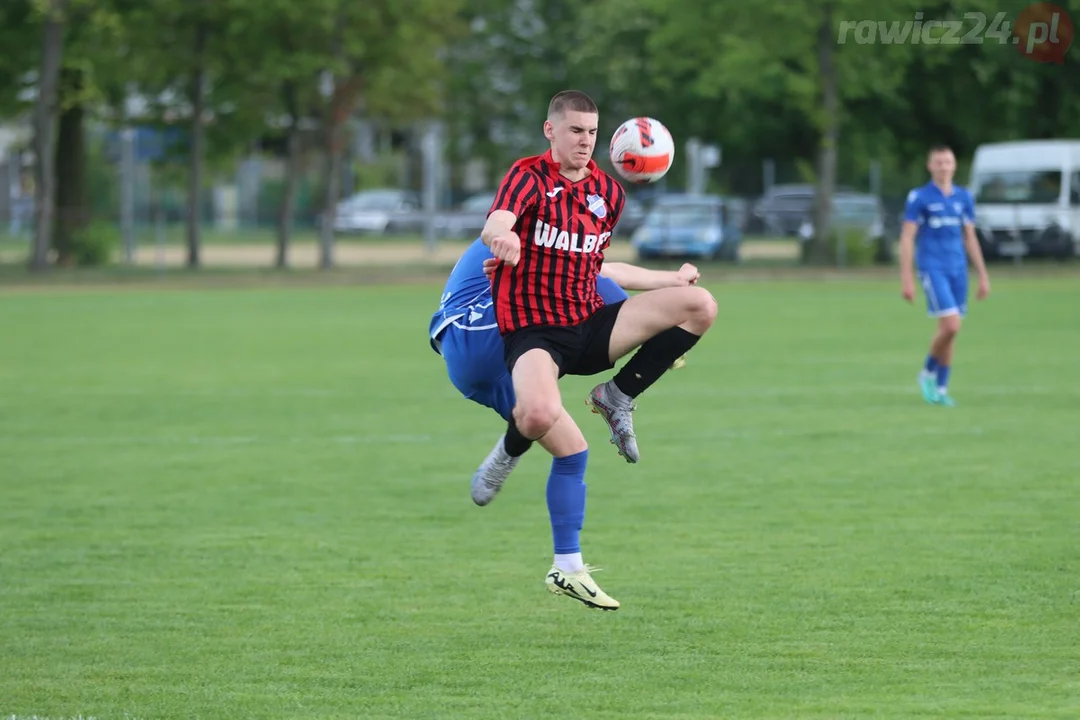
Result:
[
  {"x": 583, "y": 601},
  {"x": 596, "y": 411}
]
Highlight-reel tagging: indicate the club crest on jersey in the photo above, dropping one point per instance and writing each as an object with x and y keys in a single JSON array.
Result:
[{"x": 596, "y": 205}]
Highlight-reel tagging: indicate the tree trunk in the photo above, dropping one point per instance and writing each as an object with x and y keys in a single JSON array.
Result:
[
  {"x": 198, "y": 141},
  {"x": 292, "y": 175},
  {"x": 45, "y": 135},
  {"x": 342, "y": 102},
  {"x": 72, "y": 206},
  {"x": 333, "y": 190},
  {"x": 818, "y": 250}
]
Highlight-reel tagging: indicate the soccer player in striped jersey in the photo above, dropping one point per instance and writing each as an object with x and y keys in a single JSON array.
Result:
[{"x": 549, "y": 225}]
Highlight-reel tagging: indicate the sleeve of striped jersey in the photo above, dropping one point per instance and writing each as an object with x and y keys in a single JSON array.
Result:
[
  {"x": 620, "y": 203},
  {"x": 516, "y": 193}
]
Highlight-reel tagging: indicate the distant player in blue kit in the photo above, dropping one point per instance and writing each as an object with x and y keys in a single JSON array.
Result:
[{"x": 938, "y": 234}]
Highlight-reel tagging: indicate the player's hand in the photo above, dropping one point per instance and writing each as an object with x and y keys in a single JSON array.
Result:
[
  {"x": 506, "y": 247},
  {"x": 907, "y": 288},
  {"x": 489, "y": 266},
  {"x": 687, "y": 275},
  {"x": 984, "y": 288}
]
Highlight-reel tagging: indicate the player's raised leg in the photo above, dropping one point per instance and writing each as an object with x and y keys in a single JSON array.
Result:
[{"x": 664, "y": 324}]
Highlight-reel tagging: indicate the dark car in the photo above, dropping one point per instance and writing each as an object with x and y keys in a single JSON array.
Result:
[
  {"x": 694, "y": 226},
  {"x": 784, "y": 208}
]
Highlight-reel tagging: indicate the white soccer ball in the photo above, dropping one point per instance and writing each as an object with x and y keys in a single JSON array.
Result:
[{"x": 642, "y": 150}]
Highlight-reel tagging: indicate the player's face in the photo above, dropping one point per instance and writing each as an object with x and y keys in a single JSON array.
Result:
[
  {"x": 942, "y": 166},
  {"x": 573, "y": 137}
]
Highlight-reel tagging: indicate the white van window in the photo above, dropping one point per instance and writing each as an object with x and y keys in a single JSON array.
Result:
[
  {"x": 1019, "y": 186},
  {"x": 1074, "y": 189}
]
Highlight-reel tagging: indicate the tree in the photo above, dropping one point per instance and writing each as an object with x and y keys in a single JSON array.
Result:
[
  {"x": 91, "y": 77},
  {"x": 45, "y": 112},
  {"x": 179, "y": 52},
  {"x": 320, "y": 61},
  {"x": 388, "y": 55}
]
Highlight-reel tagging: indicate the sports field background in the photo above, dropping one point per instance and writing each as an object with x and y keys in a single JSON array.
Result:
[{"x": 252, "y": 502}]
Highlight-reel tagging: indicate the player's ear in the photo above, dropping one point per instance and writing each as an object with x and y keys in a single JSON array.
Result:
[{"x": 549, "y": 130}]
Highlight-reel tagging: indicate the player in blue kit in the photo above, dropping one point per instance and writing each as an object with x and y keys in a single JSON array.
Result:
[
  {"x": 938, "y": 234},
  {"x": 464, "y": 332}
]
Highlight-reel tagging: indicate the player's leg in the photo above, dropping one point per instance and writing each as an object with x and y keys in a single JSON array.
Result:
[
  {"x": 537, "y": 407},
  {"x": 612, "y": 293},
  {"x": 563, "y": 440},
  {"x": 948, "y": 329},
  {"x": 538, "y": 415},
  {"x": 664, "y": 325},
  {"x": 566, "y": 491},
  {"x": 942, "y": 305}
]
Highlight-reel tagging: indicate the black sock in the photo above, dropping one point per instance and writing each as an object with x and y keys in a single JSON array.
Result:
[
  {"x": 653, "y": 359},
  {"x": 515, "y": 443}
]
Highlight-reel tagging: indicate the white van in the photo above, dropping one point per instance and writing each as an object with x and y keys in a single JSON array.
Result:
[{"x": 1027, "y": 197}]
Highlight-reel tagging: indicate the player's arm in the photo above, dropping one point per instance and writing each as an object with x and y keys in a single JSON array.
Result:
[
  {"x": 516, "y": 195},
  {"x": 913, "y": 212},
  {"x": 974, "y": 250},
  {"x": 907, "y": 250},
  {"x": 499, "y": 222},
  {"x": 633, "y": 277}
]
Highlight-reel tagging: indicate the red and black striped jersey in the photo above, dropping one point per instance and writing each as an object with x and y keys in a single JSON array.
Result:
[{"x": 564, "y": 229}]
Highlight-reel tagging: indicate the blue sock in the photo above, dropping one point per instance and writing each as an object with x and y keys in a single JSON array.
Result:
[
  {"x": 566, "y": 501},
  {"x": 931, "y": 364},
  {"x": 943, "y": 377}
]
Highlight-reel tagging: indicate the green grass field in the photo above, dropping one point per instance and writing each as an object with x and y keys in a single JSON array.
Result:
[{"x": 254, "y": 503}]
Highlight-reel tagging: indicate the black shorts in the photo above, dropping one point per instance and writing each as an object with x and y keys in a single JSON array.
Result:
[{"x": 582, "y": 349}]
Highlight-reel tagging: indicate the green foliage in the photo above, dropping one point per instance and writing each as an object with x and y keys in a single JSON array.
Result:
[
  {"x": 383, "y": 171},
  {"x": 95, "y": 244},
  {"x": 852, "y": 246},
  {"x": 20, "y": 40}
]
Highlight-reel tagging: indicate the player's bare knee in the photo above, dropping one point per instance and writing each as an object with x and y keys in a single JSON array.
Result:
[
  {"x": 949, "y": 326},
  {"x": 536, "y": 418},
  {"x": 702, "y": 311}
]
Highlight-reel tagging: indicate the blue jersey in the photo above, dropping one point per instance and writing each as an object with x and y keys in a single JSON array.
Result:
[{"x": 939, "y": 239}]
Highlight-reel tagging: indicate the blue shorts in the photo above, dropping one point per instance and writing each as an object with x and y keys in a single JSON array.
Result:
[
  {"x": 946, "y": 291},
  {"x": 474, "y": 361},
  {"x": 475, "y": 354}
]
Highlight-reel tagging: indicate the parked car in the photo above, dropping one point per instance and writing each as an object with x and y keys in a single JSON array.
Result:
[
  {"x": 784, "y": 208},
  {"x": 379, "y": 211},
  {"x": 468, "y": 219},
  {"x": 853, "y": 210},
  {"x": 1027, "y": 198},
  {"x": 863, "y": 212},
  {"x": 693, "y": 226}
]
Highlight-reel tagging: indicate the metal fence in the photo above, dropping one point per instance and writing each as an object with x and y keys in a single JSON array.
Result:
[{"x": 409, "y": 190}]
